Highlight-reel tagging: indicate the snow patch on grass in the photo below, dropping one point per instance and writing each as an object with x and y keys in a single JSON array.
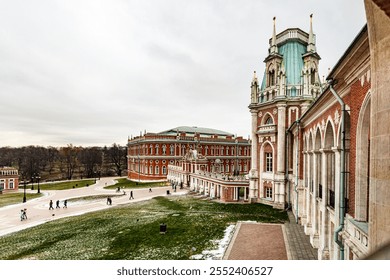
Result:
[{"x": 221, "y": 244}]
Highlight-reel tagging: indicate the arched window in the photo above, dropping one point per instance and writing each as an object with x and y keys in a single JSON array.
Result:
[
  {"x": 271, "y": 78},
  {"x": 157, "y": 149},
  {"x": 313, "y": 77},
  {"x": 171, "y": 148},
  {"x": 164, "y": 170},
  {"x": 269, "y": 120},
  {"x": 157, "y": 170},
  {"x": 164, "y": 149}
]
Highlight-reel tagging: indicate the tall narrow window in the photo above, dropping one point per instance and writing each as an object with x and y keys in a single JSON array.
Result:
[
  {"x": 268, "y": 192},
  {"x": 164, "y": 149},
  {"x": 313, "y": 76},
  {"x": 171, "y": 149},
  {"x": 268, "y": 162}
]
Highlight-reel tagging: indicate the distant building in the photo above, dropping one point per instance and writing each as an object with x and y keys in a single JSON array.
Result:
[
  {"x": 194, "y": 172},
  {"x": 9, "y": 179},
  {"x": 150, "y": 154}
]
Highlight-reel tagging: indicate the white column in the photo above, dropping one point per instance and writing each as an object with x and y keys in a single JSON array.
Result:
[
  {"x": 314, "y": 214},
  {"x": 324, "y": 249},
  {"x": 281, "y": 157},
  {"x": 254, "y": 173}
]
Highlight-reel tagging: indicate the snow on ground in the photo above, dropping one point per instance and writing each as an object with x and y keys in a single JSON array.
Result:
[{"x": 221, "y": 244}]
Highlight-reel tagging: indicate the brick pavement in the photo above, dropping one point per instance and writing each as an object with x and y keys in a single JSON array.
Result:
[{"x": 258, "y": 241}]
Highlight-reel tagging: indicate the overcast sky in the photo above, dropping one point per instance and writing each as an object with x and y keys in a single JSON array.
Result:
[{"x": 95, "y": 72}]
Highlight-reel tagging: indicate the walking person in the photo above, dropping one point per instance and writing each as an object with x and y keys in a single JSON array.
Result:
[
  {"x": 51, "y": 205},
  {"x": 25, "y": 214},
  {"x": 131, "y": 195},
  {"x": 21, "y": 215},
  {"x": 58, "y": 204},
  {"x": 150, "y": 189},
  {"x": 65, "y": 203}
]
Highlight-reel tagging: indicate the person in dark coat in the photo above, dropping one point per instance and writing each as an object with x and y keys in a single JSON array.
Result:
[
  {"x": 51, "y": 205},
  {"x": 58, "y": 204},
  {"x": 65, "y": 203},
  {"x": 131, "y": 195}
]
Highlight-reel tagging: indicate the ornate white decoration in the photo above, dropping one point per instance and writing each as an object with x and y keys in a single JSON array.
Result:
[
  {"x": 336, "y": 117},
  {"x": 323, "y": 125},
  {"x": 275, "y": 111},
  {"x": 260, "y": 114}
]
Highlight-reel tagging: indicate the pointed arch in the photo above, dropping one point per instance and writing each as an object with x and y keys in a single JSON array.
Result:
[
  {"x": 267, "y": 119},
  {"x": 329, "y": 137},
  {"x": 267, "y": 155},
  {"x": 362, "y": 182},
  {"x": 317, "y": 139}
]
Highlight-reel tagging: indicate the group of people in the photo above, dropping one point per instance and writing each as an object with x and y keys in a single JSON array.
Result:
[
  {"x": 23, "y": 214},
  {"x": 57, "y": 204}
]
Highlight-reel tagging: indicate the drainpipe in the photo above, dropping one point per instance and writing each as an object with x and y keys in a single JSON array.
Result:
[
  {"x": 286, "y": 149},
  {"x": 297, "y": 172},
  {"x": 342, "y": 173}
]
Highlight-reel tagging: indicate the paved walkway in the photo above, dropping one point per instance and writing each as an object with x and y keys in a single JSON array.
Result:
[
  {"x": 38, "y": 209},
  {"x": 258, "y": 241}
]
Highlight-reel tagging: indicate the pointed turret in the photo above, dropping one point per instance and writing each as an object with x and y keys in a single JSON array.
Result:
[
  {"x": 274, "y": 48},
  {"x": 254, "y": 88},
  {"x": 311, "y": 47}
]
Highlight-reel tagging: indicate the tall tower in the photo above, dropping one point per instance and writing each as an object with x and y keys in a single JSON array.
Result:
[{"x": 290, "y": 83}]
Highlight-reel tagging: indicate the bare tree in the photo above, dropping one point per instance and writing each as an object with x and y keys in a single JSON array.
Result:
[
  {"x": 117, "y": 157},
  {"x": 91, "y": 158},
  {"x": 69, "y": 155}
]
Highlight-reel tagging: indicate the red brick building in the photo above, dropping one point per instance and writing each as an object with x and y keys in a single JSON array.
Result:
[
  {"x": 150, "y": 154},
  {"x": 9, "y": 179},
  {"x": 312, "y": 152}
]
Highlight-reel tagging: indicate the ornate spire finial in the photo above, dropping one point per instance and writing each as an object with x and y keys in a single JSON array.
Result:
[
  {"x": 311, "y": 47},
  {"x": 274, "y": 48}
]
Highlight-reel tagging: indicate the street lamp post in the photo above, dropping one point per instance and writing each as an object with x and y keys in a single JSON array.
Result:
[
  {"x": 32, "y": 182},
  {"x": 24, "y": 194},
  {"x": 38, "y": 177}
]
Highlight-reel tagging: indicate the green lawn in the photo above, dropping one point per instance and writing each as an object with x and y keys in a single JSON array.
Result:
[
  {"x": 127, "y": 184},
  {"x": 132, "y": 232},
  {"x": 66, "y": 185},
  {"x": 14, "y": 198}
]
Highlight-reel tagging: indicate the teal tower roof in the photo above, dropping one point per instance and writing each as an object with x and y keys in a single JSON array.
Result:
[{"x": 291, "y": 47}]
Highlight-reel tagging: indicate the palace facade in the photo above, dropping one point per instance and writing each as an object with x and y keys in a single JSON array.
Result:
[
  {"x": 290, "y": 83},
  {"x": 150, "y": 154},
  {"x": 322, "y": 150}
]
